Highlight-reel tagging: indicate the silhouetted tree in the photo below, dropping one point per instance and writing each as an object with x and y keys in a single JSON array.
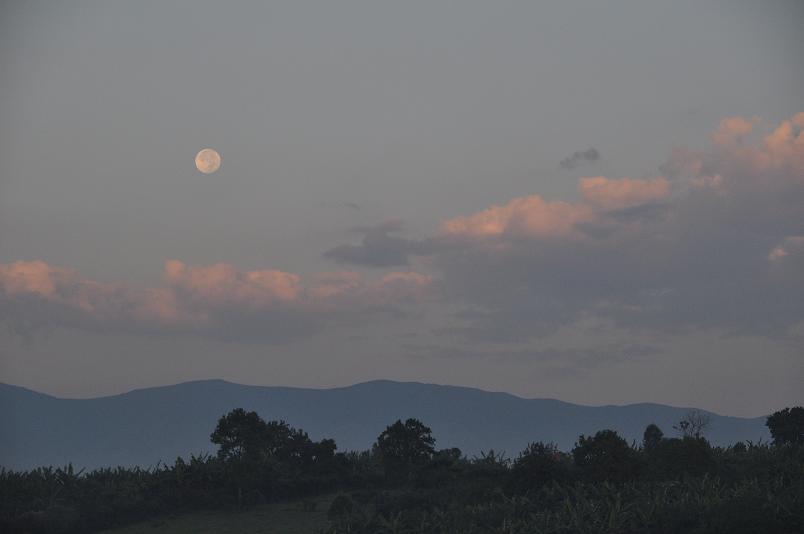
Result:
[
  {"x": 787, "y": 426},
  {"x": 693, "y": 424},
  {"x": 299, "y": 450},
  {"x": 652, "y": 437},
  {"x": 243, "y": 441},
  {"x": 240, "y": 435},
  {"x": 402, "y": 447},
  {"x": 279, "y": 438},
  {"x": 605, "y": 456}
]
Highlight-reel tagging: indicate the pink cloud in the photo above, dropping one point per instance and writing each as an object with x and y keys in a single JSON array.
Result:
[
  {"x": 765, "y": 175},
  {"x": 532, "y": 216},
  {"x": 780, "y": 151},
  {"x": 35, "y": 277},
  {"x": 526, "y": 216},
  {"x": 62, "y": 286},
  {"x": 198, "y": 298},
  {"x": 222, "y": 283},
  {"x": 784, "y": 147},
  {"x": 733, "y": 130}
]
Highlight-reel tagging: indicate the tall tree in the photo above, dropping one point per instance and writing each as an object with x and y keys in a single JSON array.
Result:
[
  {"x": 652, "y": 437},
  {"x": 402, "y": 447},
  {"x": 787, "y": 426},
  {"x": 240, "y": 435}
]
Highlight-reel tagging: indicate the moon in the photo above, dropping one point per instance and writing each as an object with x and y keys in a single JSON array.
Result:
[{"x": 208, "y": 161}]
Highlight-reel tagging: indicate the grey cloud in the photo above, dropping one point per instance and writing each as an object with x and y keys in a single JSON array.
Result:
[
  {"x": 663, "y": 276},
  {"x": 580, "y": 157},
  {"x": 28, "y": 317},
  {"x": 649, "y": 212},
  {"x": 378, "y": 247}
]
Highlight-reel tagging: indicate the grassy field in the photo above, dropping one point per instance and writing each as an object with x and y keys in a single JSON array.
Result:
[{"x": 277, "y": 518}]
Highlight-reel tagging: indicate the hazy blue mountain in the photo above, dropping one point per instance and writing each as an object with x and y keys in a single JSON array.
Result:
[{"x": 146, "y": 426}]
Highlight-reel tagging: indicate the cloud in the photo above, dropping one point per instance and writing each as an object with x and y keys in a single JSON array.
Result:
[
  {"x": 222, "y": 284},
  {"x": 717, "y": 253},
  {"x": 526, "y": 216},
  {"x": 733, "y": 130},
  {"x": 714, "y": 243},
  {"x": 35, "y": 277},
  {"x": 378, "y": 247},
  {"x": 579, "y": 157},
  {"x": 625, "y": 192},
  {"x": 215, "y": 300},
  {"x": 789, "y": 251}
]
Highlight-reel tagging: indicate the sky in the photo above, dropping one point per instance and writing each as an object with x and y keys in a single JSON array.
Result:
[{"x": 597, "y": 202}]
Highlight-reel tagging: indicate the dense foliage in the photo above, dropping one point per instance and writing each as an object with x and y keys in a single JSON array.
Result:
[
  {"x": 787, "y": 426},
  {"x": 405, "y": 485}
]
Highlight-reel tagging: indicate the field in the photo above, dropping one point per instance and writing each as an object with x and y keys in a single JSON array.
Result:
[{"x": 276, "y": 518}]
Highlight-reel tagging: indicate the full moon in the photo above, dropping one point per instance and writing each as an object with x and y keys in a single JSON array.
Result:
[{"x": 208, "y": 161}]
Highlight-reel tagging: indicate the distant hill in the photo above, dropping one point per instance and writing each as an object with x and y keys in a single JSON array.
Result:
[{"x": 146, "y": 426}]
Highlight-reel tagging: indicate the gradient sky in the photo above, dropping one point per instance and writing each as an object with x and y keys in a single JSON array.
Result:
[{"x": 596, "y": 202}]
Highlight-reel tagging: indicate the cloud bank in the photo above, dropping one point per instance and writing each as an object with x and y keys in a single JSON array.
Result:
[
  {"x": 215, "y": 300},
  {"x": 715, "y": 242}
]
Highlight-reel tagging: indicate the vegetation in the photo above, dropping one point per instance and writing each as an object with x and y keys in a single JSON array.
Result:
[
  {"x": 405, "y": 485},
  {"x": 308, "y": 516},
  {"x": 403, "y": 448},
  {"x": 787, "y": 426}
]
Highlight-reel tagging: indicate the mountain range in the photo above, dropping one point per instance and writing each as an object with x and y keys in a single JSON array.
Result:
[{"x": 146, "y": 426}]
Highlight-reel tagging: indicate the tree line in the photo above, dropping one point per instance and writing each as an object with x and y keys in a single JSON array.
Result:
[{"x": 405, "y": 484}]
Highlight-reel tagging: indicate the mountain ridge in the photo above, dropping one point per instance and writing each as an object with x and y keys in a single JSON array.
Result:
[
  {"x": 148, "y": 425},
  {"x": 376, "y": 381}
]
